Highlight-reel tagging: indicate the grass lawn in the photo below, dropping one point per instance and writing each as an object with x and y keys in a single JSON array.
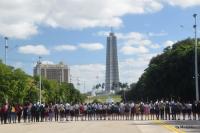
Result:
[{"x": 115, "y": 98}]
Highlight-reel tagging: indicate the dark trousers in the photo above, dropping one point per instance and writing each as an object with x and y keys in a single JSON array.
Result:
[
  {"x": 19, "y": 114},
  {"x": 167, "y": 115},
  {"x": 56, "y": 116},
  {"x": 1, "y": 118},
  {"x": 5, "y": 117},
  {"x": 37, "y": 117},
  {"x": 162, "y": 114}
]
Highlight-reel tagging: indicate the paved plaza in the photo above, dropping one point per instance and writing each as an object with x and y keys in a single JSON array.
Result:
[{"x": 104, "y": 127}]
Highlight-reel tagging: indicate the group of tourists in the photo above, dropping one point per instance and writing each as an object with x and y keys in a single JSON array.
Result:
[{"x": 159, "y": 110}]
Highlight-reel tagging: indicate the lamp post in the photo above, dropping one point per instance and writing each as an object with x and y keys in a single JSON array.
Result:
[
  {"x": 40, "y": 80},
  {"x": 196, "y": 59},
  {"x": 78, "y": 83},
  {"x": 6, "y": 49},
  {"x": 60, "y": 81},
  {"x": 84, "y": 87}
]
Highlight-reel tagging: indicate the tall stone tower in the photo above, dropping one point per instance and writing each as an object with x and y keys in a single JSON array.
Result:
[{"x": 112, "y": 72}]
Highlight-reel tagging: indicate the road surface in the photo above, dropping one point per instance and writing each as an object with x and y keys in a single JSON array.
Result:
[{"x": 92, "y": 127}]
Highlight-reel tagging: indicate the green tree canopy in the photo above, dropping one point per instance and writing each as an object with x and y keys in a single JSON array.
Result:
[
  {"x": 18, "y": 87},
  {"x": 169, "y": 75}
]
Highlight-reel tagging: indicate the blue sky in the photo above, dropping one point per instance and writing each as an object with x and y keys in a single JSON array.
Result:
[{"x": 74, "y": 31}]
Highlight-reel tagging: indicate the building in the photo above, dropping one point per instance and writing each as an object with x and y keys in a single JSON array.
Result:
[
  {"x": 112, "y": 72},
  {"x": 58, "y": 72}
]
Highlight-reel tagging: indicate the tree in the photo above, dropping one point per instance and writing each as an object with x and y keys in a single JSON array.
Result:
[
  {"x": 18, "y": 87},
  {"x": 169, "y": 75}
]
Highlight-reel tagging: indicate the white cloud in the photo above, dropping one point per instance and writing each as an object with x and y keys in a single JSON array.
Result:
[
  {"x": 134, "y": 38},
  {"x": 183, "y": 3},
  {"x": 21, "y": 18},
  {"x": 130, "y": 50},
  {"x": 130, "y": 35},
  {"x": 65, "y": 48},
  {"x": 21, "y": 30},
  {"x": 91, "y": 46},
  {"x": 34, "y": 49},
  {"x": 159, "y": 34},
  {"x": 168, "y": 43},
  {"x": 136, "y": 43}
]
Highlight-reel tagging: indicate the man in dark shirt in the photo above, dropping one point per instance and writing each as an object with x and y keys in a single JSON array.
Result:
[
  {"x": 56, "y": 111},
  {"x": 42, "y": 112},
  {"x": 5, "y": 113},
  {"x": 198, "y": 110},
  {"x": 1, "y": 114},
  {"x": 33, "y": 113},
  {"x": 37, "y": 113},
  {"x": 194, "y": 110},
  {"x": 167, "y": 111}
]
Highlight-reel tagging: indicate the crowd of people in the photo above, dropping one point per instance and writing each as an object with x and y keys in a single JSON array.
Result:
[{"x": 159, "y": 110}]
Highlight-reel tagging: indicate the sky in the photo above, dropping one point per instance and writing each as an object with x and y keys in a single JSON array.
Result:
[{"x": 74, "y": 31}]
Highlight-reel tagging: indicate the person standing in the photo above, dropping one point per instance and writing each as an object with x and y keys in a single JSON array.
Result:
[
  {"x": 161, "y": 109},
  {"x": 167, "y": 110},
  {"x": 198, "y": 110},
  {"x": 9, "y": 114},
  {"x": 25, "y": 110},
  {"x": 19, "y": 112},
  {"x": 51, "y": 112},
  {"x": 67, "y": 111},
  {"x": 56, "y": 112},
  {"x": 62, "y": 112},
  {"x": 13, "y": 114},
  {"x": 89, "y": 111},
  {"x": 137, "y": 111},
  {"x": 179, "y": 110},
  {"x": 157, "y": 110},
  {"x": 146, "y": 111},
  {"x": 1, "y": 114},
  {"x": 122, "y": 110},
  {"x": 152, "y": 110},
  {"x": 132, "y": 106},
  {"x": 194, "y": 110},
  {"x": 189, "y": 110},
  {"x": 173, "y": 108},
  {"x": 5, "y": 112},
  {"x": 37, "y": 112},
  {"x": 127, "y": 111},
  {"x": 104, "y": 111},
  {"x": 72, "y": 112},
  {"x": 46, "y": 112},
  {"x": 29, "y": 112},
  {"x": 42, "y": 112},
  {"x": 142, "y": 110},
  {"x": 81, "y": 108},
  {"x": 76, "y": 106},
  {"x": 184, "y": 110},
  {"x": 33, "y": 113}
]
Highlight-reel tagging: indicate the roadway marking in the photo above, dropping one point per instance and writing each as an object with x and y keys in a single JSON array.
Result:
[{"x": 169, "y": 127}]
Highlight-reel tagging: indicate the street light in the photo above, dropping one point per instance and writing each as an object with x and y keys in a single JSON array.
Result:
[
  {"x": 40, "y": 79},
  {"x": 196, "y": 59},
  {"x": 6, "y": 49}
]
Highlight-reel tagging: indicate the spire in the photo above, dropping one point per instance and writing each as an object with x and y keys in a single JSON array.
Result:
[{"x": 111, "y": 29}]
